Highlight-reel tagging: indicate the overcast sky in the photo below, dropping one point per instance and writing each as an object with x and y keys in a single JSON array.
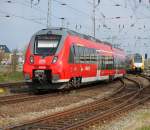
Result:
[{"x": 126, "y": 25}]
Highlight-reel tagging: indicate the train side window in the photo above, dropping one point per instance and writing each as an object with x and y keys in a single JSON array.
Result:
[
  {"x": 115, "y": 63},
  {"x": 89, "y": 55},
  {"x": 81, "y": 53},
  {"x": 113, "y": 66},
  {"x": 99, "y": 61},
  {"x": 103, "y": 62},
  {"x": 93, "y": 56},
  {"x": 106, "y": 62},
  {"x": 110, "y": 62},
  {"x": 77, "y": 55},
  {"x": 86, "y": 55},
  {"x": 71, "y": 54}
]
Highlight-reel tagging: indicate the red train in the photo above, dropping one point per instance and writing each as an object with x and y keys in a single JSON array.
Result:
[{"x": 59, "y": 58}]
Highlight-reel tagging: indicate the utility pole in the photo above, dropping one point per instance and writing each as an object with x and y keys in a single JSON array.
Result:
[
  {"x": 93, "y": 18},
  {"x": 62, "y": 22},
  {"x": 49, "y": 13},
  {"x": 95, "y": 4}
]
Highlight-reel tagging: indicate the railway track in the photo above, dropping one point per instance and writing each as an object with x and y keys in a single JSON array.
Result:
[
  {"x": 5, "y": 100},
  {"x": 19, "y": 98},
  {"x": 12, "y": 85},
  {"x": 83, "y": 117}
]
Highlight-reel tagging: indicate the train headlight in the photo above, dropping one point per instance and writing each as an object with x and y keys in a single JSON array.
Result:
[
  {"x": 54, "y": 59},
  {"x": 31, "y": 59}
]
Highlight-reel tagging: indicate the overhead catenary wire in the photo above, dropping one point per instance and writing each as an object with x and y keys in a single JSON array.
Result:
[
  {"x": 75, "y": 9},
  {"x": 21, "y": 17},
  {"x": 26, "y": 4}
]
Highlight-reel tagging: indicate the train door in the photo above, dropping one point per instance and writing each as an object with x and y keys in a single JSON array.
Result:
[
  {"x": 116, "y": 61},
  {"x": 74, "y": 60},
  {"x": 70, "y": 70},
  {"x": 98, "y": 65},
  {"x": 113, "y": 68},
  {"x": 77, "y": 65},
  {"x": 112, "y": 65},
  {"x": 115, "y": 65}
]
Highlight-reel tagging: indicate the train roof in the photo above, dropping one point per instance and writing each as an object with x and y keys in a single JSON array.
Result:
[
  {"x": 135, "y": 54},
  {"x": 66, "y": 30}
]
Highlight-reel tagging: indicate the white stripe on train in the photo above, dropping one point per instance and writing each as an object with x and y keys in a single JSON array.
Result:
[{"x": 90, "y": 79}]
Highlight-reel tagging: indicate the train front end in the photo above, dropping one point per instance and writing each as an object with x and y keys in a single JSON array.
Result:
[
  {"x": 138, "y": 63},
  {"x": 43, "y": 64}
]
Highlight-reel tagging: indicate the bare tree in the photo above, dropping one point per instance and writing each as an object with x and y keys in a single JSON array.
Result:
[
  {"x": 14, "y": 60},
  {"x": 2, "y": 54}
]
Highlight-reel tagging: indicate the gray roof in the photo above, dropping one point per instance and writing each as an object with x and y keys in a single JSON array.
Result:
[
  {"x": 66, "y": 30},
  {"x": 5, "y": 48}
]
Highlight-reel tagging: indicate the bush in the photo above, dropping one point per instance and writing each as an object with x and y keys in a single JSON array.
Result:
[
  {"x": 144, "y": 128},
  {"x": 11, "y": 76}
]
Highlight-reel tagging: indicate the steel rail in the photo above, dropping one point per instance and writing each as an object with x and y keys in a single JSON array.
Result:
[
  {"x": 5, "y": 100},
  {"x": 120, "y": 108},
  {"x": 99, "y": 104},
  {"x": 13, "y": 84}
]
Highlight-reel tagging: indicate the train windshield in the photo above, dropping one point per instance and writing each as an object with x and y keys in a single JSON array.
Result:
[
  {"x": 46, "y": 44},
  {"x": 138, "y": 59}
]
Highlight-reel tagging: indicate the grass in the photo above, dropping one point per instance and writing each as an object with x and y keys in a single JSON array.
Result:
[
  {"x": 144, "y": 118},
  {"x": 144, "y": 128},
  {"x": 145, "y": 115},
  {"x": 11, "y": 76}
]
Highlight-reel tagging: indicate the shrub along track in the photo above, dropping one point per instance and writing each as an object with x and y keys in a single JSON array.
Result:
[
  {"x": 124, "y": 99},
  {"x": 14, "y": 87},
  {"x": 13, "y": 84}
]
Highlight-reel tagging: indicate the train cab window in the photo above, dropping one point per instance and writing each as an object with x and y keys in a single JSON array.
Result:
[
  {"x": 138, "y": 59},
  {"x": 71, "y": 54},
  {"x": 46, "y": 44}
]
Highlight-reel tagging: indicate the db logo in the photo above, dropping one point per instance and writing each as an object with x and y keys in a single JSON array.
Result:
[{"x": 42, "y": 61}]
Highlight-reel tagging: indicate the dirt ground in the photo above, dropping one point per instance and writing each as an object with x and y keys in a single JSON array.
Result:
[{"x": 137, "y": 119}]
